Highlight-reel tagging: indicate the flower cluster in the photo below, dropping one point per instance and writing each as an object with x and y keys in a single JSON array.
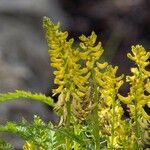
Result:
[
  {"x": 110, "y": 110},
  {"x": 89, "y": 91},
  {"x": 139, "y": 82},
  {"x": 70, "y": 75},
  {"x": 137, "y": 98}
]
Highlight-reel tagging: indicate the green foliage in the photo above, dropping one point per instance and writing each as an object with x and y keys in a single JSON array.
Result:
[
  {"x": 89, "y": 103},
  {"x": 42, "y": 135},
  {"x": 27, "y": 95},
  {"x": 39, "y": 134},
  {"x": 4, "y": 145}
]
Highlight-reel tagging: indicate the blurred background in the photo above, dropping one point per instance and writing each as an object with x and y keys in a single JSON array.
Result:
[{"x": 24, "y": 63}]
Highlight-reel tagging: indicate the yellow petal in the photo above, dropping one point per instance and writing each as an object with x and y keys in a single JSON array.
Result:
[
  {"x": 58, "y": 90},
  {"x": 125, "y": 100},
  {"x": 101, "y": 66}
]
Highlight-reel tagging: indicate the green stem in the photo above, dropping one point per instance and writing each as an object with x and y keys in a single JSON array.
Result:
[
  {"x": 68, "y": 116},
  {"x": 136, "y": 128},
  {"x": 27, "y": 95},
  {"x": 77, "y": 132},
  {"x": 112, "y": 123},
  {"x": 96, "y": 127}
]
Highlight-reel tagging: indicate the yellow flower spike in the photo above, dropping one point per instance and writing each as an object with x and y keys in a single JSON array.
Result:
[
  {"x": 89, "y": 48},
  {"x": 140, "y": 56},
  {"x": 109, "y": 85}
]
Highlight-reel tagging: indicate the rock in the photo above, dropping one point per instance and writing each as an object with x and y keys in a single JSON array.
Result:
[{"x": 24, "y": 59}]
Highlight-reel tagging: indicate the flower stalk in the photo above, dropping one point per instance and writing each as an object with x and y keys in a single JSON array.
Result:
[{"x": 96, "y": 126}]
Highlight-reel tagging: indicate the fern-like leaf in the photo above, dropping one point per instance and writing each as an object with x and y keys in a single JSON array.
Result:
[
  {"x": 27, "y": 95},
  {"x": 39, "y": 133},
  {"x": 65, "y": 132},
  {"x": 4, "y": 145}
]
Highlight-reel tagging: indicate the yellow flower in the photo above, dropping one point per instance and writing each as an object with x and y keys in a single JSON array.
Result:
[
  {"x": 102, "y": 66},
  {"x": 91, "y": 52},
  {"x": 139, "y": 81}
]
